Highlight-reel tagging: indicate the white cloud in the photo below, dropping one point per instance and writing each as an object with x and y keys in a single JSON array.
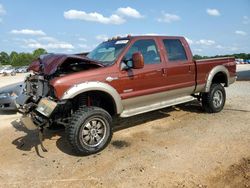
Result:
[
  {"x": 58, "y": 45},
  {"x": 28, "y": 32},
  {"x": 233, "y": 48},
  {"x": 44, "y": 42},
  {"x": 129, "y": 12},
  {"x": 213, "y": 12},
  {"x": 246, "y": 20},
  {"x": 219, "y": 47},
  {"x": 101, "y": 37},
  {"x": 205, "y": 42},
  {"x": 85, "y": 47},
  {"x": 242, "y": 33},
  {"x": 198, "y": 50},
  {"x": 2, "y": 10},
  {"x": 168, "y": 18},
  {"x": 48, "y": 39},
  {"x": 93, "y": 17},
  {"x": 189, "y": 41},
  {"x": 82, "y": 39}
]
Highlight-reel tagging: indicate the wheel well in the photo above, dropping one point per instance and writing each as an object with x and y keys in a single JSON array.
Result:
[
  {"x": 96, "y": 98},
  {"x": 220, "y": 77}
]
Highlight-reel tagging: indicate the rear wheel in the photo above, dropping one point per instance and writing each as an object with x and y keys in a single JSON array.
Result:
[
  {"x": 90, "y": 130},
  {"x": 214, "y": 101}
]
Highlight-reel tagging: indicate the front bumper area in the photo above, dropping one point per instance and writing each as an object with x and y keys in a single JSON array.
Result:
[
  {"x": 28, "y": 122},
  {"x": 39, "y": 116}
]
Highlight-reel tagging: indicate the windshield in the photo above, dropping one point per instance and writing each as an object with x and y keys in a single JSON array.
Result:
[{"x": 107, "y": 52}]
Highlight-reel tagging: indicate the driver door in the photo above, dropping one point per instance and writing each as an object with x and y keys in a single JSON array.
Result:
[{"x": 138, "y": 85}]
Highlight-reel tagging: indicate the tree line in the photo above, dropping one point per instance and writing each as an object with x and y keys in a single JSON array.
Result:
[
  {"x": 20, "y": 59},
  {"x": 237, "y": 56}
]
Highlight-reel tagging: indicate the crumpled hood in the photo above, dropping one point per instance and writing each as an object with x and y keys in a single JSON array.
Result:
[{"x": 49, "y": 63}]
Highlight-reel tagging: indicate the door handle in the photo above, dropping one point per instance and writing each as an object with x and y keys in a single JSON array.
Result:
[
  {"x": 110, "y": 79},
  {"x": 163, "y": 71},
  {"x": 189, "y": 69}
]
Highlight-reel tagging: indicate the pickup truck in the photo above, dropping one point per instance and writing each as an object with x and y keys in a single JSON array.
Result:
[{"x": 123, "y": 77}]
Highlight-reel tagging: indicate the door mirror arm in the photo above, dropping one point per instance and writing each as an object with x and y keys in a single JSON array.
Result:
[{"x": 124, "y": 64}]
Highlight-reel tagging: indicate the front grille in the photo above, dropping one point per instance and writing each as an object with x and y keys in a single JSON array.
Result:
[{"x": 36, "y": 87}]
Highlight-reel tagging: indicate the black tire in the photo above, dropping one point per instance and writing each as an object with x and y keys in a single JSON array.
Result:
[
  {"x": 214, "y": 100},
  {"x": 84, "y": 124}
]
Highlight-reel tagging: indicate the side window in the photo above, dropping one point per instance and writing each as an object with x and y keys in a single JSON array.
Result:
[
  {"x": 148, "y": 49},
  {"x": 175, "y": 50}
]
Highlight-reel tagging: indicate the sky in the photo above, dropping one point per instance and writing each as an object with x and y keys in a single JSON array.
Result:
[{"x": 212, "y": 27}]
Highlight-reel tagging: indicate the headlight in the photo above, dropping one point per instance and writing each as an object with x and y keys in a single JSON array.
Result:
[{"x": 4, "y": 95}]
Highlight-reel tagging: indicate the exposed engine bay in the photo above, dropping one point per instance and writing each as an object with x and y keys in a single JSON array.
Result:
[{"x": 38, "y": 87}]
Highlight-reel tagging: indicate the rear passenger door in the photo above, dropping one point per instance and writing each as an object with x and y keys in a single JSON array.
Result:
[{"x": 180, "y": 72}]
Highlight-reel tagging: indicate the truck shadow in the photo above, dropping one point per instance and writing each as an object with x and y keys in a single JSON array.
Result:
[
  {"x": 31, "y": 139},
  {"x": 8, "y": 112},
  {"x": 125, "y": 123}
]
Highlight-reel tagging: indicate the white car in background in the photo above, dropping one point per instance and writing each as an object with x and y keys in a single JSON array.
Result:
[{"x": 8, "y": 71}]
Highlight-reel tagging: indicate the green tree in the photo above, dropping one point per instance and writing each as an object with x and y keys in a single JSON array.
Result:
[
  {"x": 38, "y": 52},
  {"x": 4, "y": 58},
  {"x": 13, "y": 57}
]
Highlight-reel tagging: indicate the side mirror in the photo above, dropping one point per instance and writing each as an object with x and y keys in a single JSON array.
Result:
[{"x": 138, "y": 61}]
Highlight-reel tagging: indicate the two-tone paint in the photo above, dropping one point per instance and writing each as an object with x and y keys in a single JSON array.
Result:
[{"x": 154, "y": 86}]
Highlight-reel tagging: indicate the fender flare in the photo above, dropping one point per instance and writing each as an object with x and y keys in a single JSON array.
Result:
[
  {"x": 213, "y": 72},
  {"x": 94, "y": 86}
]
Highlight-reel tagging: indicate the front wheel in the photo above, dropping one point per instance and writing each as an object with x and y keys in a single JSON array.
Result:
[
  {"x": 90, "y": 130},
  {"x": 214, "y": 100}
]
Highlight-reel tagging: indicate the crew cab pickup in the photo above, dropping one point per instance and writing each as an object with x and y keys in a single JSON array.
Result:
[{"x": 120, "y": 77}]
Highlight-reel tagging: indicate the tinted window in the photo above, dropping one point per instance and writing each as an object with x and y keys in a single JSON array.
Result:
[
  {"x": 147, "y": 48},
  {"x": 175, "y": 50}
]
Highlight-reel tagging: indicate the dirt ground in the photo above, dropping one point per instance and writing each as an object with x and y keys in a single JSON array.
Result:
[{"x": 174, "y": 147}]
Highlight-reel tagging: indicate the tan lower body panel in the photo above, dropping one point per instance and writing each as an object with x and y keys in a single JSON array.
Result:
[{"x": 142, "y": 104}]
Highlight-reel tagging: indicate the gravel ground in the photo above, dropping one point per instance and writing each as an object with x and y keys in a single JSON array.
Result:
[{"x": 173, "y": 147}]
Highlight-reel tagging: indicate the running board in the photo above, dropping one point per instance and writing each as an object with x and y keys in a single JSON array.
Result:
[{"x": 156, "y": 106}]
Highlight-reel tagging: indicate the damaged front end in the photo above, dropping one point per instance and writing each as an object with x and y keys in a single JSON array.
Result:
[{"x": 38, "y": 103}]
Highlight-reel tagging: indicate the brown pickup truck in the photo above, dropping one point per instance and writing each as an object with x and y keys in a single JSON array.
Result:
[{"x": 120, "y": 77}]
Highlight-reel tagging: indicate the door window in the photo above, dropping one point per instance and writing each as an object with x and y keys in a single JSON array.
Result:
[
  {"x": 175, "y": 50},
  {"x": 148, "y": 50}
]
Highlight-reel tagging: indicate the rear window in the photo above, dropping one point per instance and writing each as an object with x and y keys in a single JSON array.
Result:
[{"x": 175, "y": 50}]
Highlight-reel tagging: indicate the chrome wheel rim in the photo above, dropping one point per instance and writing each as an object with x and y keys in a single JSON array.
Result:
[
  {"x": 93, "y": 132},
  {"x": 217, "y": 98}
]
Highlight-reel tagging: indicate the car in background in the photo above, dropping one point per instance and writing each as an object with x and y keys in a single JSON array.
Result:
[
  {"x": 9, "y": 71},
  {"x": 22, "y": 69},
  {"x": 8, "y": 95},
  {"x": 3, "y": 68}
]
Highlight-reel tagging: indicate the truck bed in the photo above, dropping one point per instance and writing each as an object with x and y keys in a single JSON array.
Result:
[{"x": 204, "y": 66}]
